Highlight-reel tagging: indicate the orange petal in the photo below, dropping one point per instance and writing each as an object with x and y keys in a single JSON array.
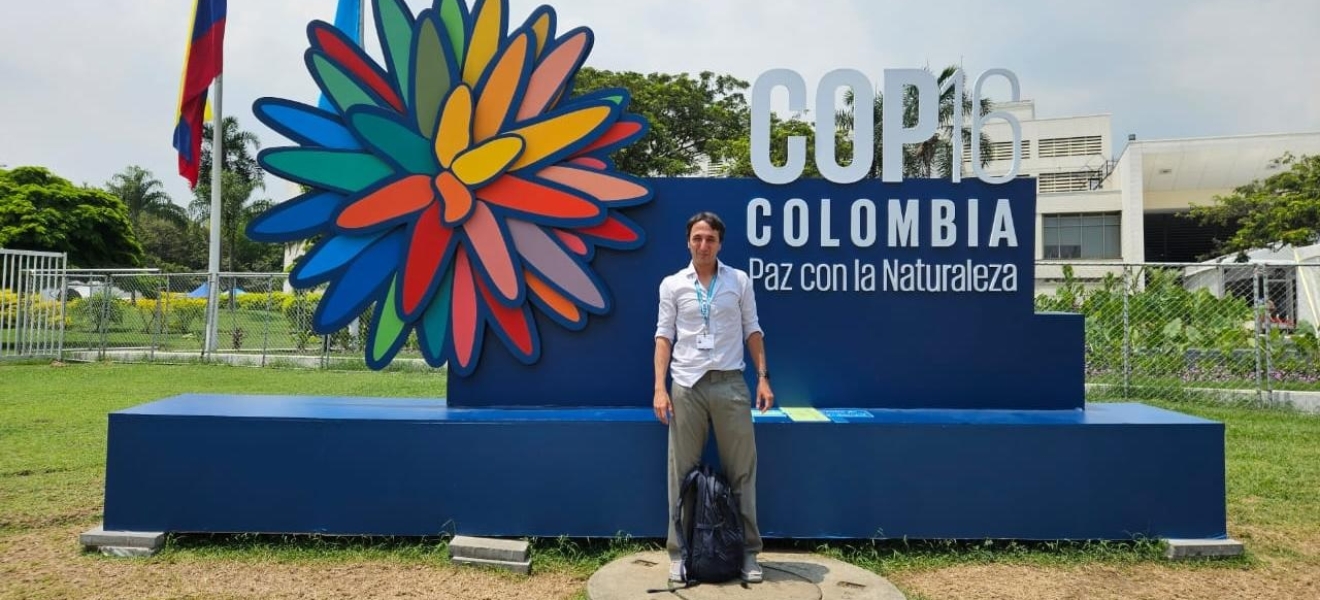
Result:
[
  {"x": 454, "y": 134},
  {"x": 549, "y": 77},
  {"x": 483, "y": 163},
  {"x": 552, "y": 135},
  {"x": 407, "y": 195},
  {"x": 556, "y": 301},
  {"x": 456, "y": 197},
  {"x": 497, "y": 93},
  {"x": 535, "y": 199}
]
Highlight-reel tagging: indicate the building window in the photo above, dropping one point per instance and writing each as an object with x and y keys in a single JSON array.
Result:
[
  {"x": 1086, "y": 145},
  {"x": 1082, "y": 236},
  {"x": 1069, "y": 181},
  {"x": 997, "y": 151}
]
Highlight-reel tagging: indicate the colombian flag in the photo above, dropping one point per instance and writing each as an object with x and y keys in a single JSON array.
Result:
[{"x": 204, "y": 62}]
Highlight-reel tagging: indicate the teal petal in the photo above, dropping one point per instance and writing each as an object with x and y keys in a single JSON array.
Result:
[
  {"x": 345, "y": 172},
  {"x": 394, "y": 25},
  {"x": 341, "y": 88},
  {"x": 412, "y": 152},
  {"x": 434, "y": 327}
]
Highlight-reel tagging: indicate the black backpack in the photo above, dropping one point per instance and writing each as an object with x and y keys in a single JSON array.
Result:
[{"x": 711, "y": 536}]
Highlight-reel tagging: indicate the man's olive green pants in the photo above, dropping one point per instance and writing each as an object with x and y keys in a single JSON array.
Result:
[{"x": 719, "y": 398}]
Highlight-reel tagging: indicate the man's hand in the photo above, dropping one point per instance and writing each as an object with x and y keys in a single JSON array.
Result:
[
  {"x": 664, "y": 409},
  {"x": 765, "y": 398}
]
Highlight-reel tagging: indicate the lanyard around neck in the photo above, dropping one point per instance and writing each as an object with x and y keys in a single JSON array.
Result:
[{"x": 705, "y": 297}]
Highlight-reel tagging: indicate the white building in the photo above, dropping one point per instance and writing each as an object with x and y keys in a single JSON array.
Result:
[{"x": 1127, "y": 209}]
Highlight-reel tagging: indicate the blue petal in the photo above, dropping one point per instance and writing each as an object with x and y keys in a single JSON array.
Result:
[
  {"x": 329, "y": 256},
  {"x": 296, "y": 218},
  {"x": 359, "y": 284},
  {"x": 304, "y": 124}
]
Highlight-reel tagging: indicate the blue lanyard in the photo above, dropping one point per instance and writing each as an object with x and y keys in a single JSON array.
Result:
[{"x": 705, "y": 297}]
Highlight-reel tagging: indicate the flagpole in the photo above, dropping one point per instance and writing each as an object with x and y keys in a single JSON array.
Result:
[{"x": 213, "y": 261}]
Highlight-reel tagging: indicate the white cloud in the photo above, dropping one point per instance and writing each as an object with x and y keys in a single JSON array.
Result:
[{"x": 88, "y": 91}]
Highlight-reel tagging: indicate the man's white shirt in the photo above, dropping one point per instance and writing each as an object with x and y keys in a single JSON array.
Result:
[{"x": 732, "y": 319}]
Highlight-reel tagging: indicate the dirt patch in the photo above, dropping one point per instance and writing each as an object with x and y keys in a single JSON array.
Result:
[
  {"x": 49, "y": 564},
  {"x": 1144, "y": 582}
]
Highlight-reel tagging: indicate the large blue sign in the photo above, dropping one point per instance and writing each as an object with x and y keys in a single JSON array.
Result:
[{"x": 911, "y": 295}]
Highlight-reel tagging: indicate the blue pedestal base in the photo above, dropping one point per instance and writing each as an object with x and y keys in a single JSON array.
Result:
[{"x": 280, "y": 464}]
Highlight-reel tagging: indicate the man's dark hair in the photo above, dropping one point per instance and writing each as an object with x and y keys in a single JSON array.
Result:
[{"x": 711, "y": 219}]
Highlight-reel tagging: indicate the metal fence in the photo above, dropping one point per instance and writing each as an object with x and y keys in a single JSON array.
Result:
[
  {"x": 1245, "y": 330},
  {"x": 31, "y": 309},
  {"x": 1152, "y": 330},
  {"x": 162, "y": 317}
]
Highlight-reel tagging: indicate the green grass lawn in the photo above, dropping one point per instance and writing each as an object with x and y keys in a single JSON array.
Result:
[{"x": 52, "y": 461}]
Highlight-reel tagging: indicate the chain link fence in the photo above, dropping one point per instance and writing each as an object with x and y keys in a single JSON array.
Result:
[
  {"x": 162, "y": 317},
  {"x": 1152, "y": 330},
  {"x": 1241, "y": 330}
]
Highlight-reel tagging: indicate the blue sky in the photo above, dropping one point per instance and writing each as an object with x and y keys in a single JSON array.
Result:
[{"x": 88, "y": 91}]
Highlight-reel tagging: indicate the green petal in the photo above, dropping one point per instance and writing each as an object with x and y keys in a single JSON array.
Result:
[
  {"x": 435, "y": 320},
  {"x": 345, "y": 172},
  {"x": 413, "y": 152},
  {"x": 452, "y": 16},
  {"x": 397, "y": 23},
  {"x": 433, "y": 77},
  {"x": 386, "y": 337},
  {"x": 339, "y": 87}
]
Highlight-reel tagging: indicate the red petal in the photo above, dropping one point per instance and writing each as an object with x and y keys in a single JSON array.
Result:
[
  {"x": 354, "y": 62},
  {"x": 464, "y": 315},
  {"x": 573, "y": 242},
  {"x": 612, "y": 229},
  {"x": 512, "y": 321},
  {"x": 589, "y": 162},
  {"x": 427, "y": 248},
  {"x": 615, "y": 133},
  {"x": 536, "y": 199}
]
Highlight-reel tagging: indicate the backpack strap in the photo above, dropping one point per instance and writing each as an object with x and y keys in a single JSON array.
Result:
[{"x": 689, "y": 483}]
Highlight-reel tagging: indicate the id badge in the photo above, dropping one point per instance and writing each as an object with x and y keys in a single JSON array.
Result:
[{"x": 705, "y": 341}]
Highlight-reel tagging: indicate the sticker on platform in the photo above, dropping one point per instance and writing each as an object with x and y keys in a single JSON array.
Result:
[
  {"x": 805, "y": 414},
  {"x": 846, "y": 415}
]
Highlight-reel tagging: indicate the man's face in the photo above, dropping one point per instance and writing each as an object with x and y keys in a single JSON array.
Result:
[{"x": 703, "y": 243}]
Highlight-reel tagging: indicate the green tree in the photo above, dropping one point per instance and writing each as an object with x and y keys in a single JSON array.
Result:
[
  {"x": 173, "y": 248},
  {"x": 241, "y": 176},
  {"x": 690, "y": 118},
  {"x": 1283, "y": 209},
  {"x": 143, "y": 194},
  {"x": 237, "y": 208},
  {"x": 740, "y": 159},
  {"x": 40, "y": 211},
  {"x": 933, "y": 157}
]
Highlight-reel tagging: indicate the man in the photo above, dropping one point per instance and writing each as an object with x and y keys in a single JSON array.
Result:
[{"x": 707, "y": 314}]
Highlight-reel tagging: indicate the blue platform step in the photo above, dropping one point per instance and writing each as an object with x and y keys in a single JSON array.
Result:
[{"x": 295, "y": 464}]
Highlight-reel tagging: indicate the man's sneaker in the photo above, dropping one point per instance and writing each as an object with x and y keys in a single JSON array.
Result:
[
  {"x": 676, "y": 571},
  {"x": 751, "y": 570}
]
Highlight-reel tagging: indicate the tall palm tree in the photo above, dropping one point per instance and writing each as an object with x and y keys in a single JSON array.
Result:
[
  {"x": 240, "y": 176},
  {"x": 145, "y": 195},
  {"x": 933, "y": 157},
  {"x": 240, "y": 147}
]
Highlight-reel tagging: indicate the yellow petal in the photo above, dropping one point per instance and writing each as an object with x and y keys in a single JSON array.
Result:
[
  {"x": 552, "y": 135},
  {"x": 486, "y": 38},
  {"x": 487, "y": 161},
  {"x": 454, "y": 134}
]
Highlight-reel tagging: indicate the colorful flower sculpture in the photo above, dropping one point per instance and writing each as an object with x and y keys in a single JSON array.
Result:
[{"x": 456, "y": 187}]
